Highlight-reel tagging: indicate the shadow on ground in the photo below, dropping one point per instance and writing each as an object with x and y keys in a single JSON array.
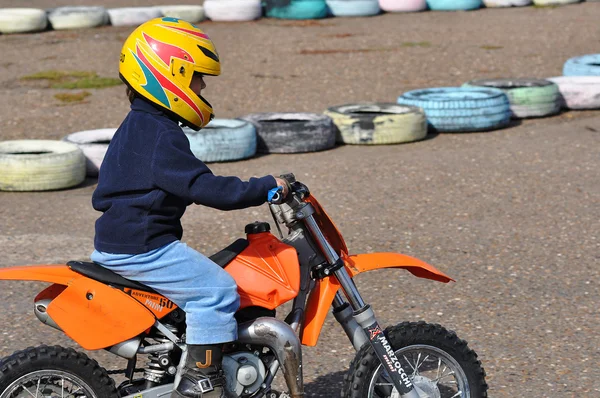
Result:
[{"x": 329, "y": 385}]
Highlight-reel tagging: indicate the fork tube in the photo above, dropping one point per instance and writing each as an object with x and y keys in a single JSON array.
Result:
[{"x": 364, "y": 315}]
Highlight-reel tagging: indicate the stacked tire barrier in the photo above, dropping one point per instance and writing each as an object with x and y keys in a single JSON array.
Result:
[
  {"x": 27, "y": 20},
  {"x": 479, "y": 105}
]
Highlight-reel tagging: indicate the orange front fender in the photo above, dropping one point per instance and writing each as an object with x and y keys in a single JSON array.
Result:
[{"x": 320, "y": 298}]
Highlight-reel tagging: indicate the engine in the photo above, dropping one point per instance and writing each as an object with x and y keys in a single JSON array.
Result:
[{"x": 245, "y": 372}]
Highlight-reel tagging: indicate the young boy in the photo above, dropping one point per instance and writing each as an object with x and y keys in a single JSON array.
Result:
[{"x": 148, "y": 178}]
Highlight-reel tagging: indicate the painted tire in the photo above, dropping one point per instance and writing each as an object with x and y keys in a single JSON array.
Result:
[
  {"x": 461, "y": 109},
  {"x": 292, "y": 132},
  {"x": 233, "y": 10},
  {"x": 223, "y": 140},
  {"x": 579, "y": 92},
  {"x": 190, "y": 13},
  {"x": 22, "y": 20},
  {"x": 296, "y": 9},
  {"x": 527, "y": 97},
  {"x": 506, "y": 3},
  {"x": 586, "y": 65},
  {"x": 403, "y": 5},
  {"x": 353, "y": 8},
  {"x": 40, "y": 165},
  {"x": 377, "y": 123},
  {"x": 94, "y": 144},
  {"x": 132, "y": 16},
  {"x": 454, "y": 5},
  {"x": 554, "y": 2},
  {"x": 62, "y": 18}
]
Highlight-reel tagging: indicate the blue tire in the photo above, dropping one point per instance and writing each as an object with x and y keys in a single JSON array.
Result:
[
  {"x": 353, "y": 8},
  {"x": 296, "y": 9},
  {"x": 461, "y": 109},
  {"x": 586, "y": 65},
  {"x": 223, "y": 140},
  {"x": 454, "y": 5}
]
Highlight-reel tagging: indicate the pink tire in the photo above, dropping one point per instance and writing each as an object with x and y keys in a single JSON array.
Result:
[
  {"x": 402, "y": 5},
  {"x": 579, "y": 92}
]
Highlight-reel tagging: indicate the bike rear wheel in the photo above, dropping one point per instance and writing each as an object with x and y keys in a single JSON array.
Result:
[
  {"x": 53, "y": 372},
  {"x": 439, "y": 364}
]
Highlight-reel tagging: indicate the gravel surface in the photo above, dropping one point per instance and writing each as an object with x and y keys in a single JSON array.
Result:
[{"x": 512, "y": 215}]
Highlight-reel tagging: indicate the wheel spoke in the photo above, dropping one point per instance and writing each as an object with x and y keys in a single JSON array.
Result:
[
  {"x": 416, "y": 368},
  {"x": 436, "y": 380},
  {"x": 410, "y": 364},
  {"x": 37, "y": 389},
  {"x": 458, "y": 394},
  {"x": 29, "y": 392}
]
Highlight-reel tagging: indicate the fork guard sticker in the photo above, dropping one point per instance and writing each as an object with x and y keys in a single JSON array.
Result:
[{"x": 385, "y": 352}]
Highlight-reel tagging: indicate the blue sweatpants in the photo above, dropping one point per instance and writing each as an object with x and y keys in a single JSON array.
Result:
[{"x": 206, "y": 293}]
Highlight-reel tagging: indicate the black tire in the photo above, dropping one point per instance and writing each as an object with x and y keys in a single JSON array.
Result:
[
  {"x": 292, "y": 132},
  {"x": 357, "y": 382},
  {"x": 55, "y": 361}
]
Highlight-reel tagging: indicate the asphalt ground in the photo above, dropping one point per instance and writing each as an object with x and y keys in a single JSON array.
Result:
[{"x": 512, "y": 215}]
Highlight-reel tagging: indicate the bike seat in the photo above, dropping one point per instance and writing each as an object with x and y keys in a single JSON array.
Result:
[
  {"x": 105, "y": 275},
  {"x": 97, "y": 272}
]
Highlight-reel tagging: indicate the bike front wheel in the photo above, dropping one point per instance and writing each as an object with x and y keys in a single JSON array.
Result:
[{"x": 439, "y": 364}]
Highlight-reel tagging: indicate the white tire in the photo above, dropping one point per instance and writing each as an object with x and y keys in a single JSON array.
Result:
[
  {"x": 579, "y": 92},
  {"x": 22, "y": 20},
  {"x": 132, "y": 16},
  {"x": 506, "y": 3},
  {"x": 77, "y": 17},
  {"x": 403, "y": 5},
  {"x": 190, "y": 13},
  {"x": 554, "y": 2},
  {"x": 94, "y": 144},
  {"x": 40, "y": 165},
  {"x": 233, "y": 10}
]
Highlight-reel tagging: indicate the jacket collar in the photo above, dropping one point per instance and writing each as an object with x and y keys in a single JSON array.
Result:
[{"x": 139, "y": 104}]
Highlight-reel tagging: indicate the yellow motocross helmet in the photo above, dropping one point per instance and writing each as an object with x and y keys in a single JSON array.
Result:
[{"x": 158, "y": 61}]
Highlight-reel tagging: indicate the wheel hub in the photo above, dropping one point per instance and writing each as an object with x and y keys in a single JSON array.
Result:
[{"x": 423, "y": 386}]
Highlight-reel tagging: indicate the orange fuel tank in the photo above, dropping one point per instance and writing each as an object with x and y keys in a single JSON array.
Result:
[{"x": 267, "y": 272}]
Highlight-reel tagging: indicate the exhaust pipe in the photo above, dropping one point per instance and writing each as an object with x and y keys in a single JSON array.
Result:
[
  {"x": 282, "y": 340},
  {"x": 40, "y": 309}
]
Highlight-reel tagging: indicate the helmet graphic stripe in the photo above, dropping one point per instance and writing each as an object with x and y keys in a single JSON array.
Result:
[
  {"x": 152, "y": 85},
  {"x": 167, "y": 84},
  {"x": 191, "y": 32},
  {"x": 167, "y": 51}
]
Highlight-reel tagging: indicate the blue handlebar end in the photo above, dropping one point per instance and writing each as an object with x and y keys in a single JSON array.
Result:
[{"x": 274, "y": 193}]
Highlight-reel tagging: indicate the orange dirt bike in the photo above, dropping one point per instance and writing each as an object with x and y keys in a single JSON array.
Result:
[{"x": 99, "y": 309}]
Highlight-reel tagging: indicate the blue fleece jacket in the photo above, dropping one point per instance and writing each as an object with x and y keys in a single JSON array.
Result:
[{"x": 149, "y": 176}]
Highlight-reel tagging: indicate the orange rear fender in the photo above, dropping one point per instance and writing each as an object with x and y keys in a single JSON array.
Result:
[
  {"x": 320, "y": 299},
  {"x": 54, "y": 273}
]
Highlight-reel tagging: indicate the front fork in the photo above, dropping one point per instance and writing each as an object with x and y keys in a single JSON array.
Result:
[{"x": 363, "y": 314}]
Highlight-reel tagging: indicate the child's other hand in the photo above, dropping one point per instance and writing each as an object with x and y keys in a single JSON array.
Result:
[{"x": 282, "y": 183}]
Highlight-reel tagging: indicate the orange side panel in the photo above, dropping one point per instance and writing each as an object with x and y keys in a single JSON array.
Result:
[
  {"x": 156, "y": 303},
  {"x": 267, "y": 272},
  {"x": 55, "y": 273},
  {"x": 317, "y": 306},
  {"x": 320, "y": 299},
  {"x": 98, "y": 316}
]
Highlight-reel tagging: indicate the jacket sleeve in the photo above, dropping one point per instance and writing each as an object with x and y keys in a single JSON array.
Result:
[{"x": 177, "y": 171}]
